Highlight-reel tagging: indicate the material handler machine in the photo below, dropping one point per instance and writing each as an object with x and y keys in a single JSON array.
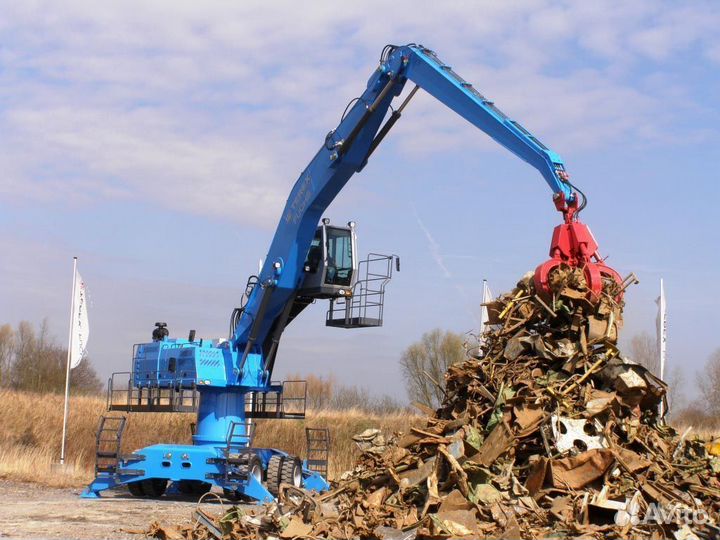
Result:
[{"x": 228, "y": 383}]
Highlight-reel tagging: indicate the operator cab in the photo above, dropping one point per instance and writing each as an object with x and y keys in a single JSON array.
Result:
[{"x": 331, "y": 265}]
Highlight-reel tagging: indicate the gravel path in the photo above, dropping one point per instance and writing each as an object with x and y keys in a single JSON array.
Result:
[{"x": 38, "y": 512}]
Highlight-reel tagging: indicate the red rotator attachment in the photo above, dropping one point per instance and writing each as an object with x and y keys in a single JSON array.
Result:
[{"x": 573, "y": 245}]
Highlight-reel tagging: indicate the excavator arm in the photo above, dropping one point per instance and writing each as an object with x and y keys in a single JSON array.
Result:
[
  {"x": 345, "y": 151},
  {"x": 427, "y": 71}
]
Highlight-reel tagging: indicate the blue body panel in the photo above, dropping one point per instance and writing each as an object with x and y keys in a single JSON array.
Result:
[{"x": 180, "y": 362}]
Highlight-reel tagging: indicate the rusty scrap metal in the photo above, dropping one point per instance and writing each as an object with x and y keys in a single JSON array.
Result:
[{"x": 548, "y": 431}]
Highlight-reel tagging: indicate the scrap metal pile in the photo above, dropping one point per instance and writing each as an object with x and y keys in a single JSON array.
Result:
[{"x": 548, "y": 431}]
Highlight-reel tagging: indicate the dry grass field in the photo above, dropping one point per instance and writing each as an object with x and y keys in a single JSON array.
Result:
[
  {"x": 32, "y": 423},
  {"x": 31, "y": 430}
]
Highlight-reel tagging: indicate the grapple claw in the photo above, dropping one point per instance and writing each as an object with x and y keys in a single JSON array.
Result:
[{"x": 573, "y": 245}]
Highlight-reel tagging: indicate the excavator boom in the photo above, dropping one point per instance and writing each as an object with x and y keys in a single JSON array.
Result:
[{"x": 346, "y": 150}]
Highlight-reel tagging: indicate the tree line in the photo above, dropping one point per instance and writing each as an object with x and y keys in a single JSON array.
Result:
[
  {"x": 326, "y": 393},
  {"x": 31, "y": 360},
  {"x": 700, "y": 407}
]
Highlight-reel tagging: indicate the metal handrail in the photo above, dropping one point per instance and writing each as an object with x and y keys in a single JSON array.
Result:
[
  {"x": 276, "y": 402},
  {"x": 368, "y": 292},
  {"x": 172, "y": 390}
]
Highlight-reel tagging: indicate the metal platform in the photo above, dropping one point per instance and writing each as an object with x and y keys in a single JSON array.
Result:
[
  {"x": 354, "y": 322},
  {"x": 365, "y": 307},
  {"x": 286, "y": 400},
  {"x": 280, "y": 400},
  {"x": 124, "y": 395}
]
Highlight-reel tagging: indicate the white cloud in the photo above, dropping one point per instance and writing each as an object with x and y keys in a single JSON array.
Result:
[{"x": 214, "y": 108}]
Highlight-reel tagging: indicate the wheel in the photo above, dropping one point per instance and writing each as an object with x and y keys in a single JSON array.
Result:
[
  {"x": 273, "y": 474},
  {"x": 154, "y": 487},
  {"x": 136, "y": 489},
  {"x": 291, "y": 471},
  {"x": 255, "y": 469},
  {"x": 193, "y": 487}
]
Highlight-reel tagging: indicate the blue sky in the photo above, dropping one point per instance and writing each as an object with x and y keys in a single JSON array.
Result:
[{"x": 157, "y": 141}]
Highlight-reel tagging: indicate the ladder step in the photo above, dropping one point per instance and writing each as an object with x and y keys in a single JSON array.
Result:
[
  {"x": 318, "y": 449},
  {"x": 107, "y": 444}
]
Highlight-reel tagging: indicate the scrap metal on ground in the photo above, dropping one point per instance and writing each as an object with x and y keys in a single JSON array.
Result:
[{"x": 548, "y": 431}]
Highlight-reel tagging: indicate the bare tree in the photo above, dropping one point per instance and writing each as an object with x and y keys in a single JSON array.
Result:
[
  {"x": 693, "y": 415},
  {"x": 319, "y": 390},
  {"x": 708, "y": 381},
  {"x": 325, "y": 393},
  {"x": 424, "y": 365},
  {"x": 386, "y": 404},
  {"x": 84, "y": 379},
  {"x": 26, "y": 373},
  {"x": 676, "y": 389},
  {"x": 360, "y": 398},
  {"x": 351, "y": 397},
  {"x": 7, "y": 347},
  {"x": 39, "y": 365},
  {"x": 644, "y": 351}
]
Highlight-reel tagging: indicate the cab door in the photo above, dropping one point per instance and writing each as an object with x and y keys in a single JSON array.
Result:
[{"x": 331, "y": 263}]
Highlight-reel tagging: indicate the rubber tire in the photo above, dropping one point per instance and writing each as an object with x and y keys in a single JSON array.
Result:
[
  {"x": 290, "y": 469},
  {"x": 253, "y": 462},
  {"x": 256, "y": 462},
  {"x": 136, "y": 489},
  {"x": 154, "y": 487},
  {"x": 193, "y": 487},
  {"x": 272, "y": 481}
]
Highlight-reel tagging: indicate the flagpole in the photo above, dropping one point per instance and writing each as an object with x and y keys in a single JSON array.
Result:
[
  {"x": 69, "y": 354},
  {"x": 482, "y": 311},
  {"x": 663, "y": 337}
]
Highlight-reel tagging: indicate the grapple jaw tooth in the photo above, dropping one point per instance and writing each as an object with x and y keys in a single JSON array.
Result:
[{"x": 574, "y": 246}]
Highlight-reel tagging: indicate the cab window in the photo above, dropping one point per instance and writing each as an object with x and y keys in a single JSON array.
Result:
[
  {"x": 315, "y": 254},
  {"x": 339, "y": 257}
]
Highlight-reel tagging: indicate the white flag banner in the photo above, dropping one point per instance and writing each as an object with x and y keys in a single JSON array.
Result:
[
  {"x": 80, "y": 327},
  {"x": 661, "y": 323},
  {"x": 661, "y": 329},
  {"x": 487, "y": 297}
]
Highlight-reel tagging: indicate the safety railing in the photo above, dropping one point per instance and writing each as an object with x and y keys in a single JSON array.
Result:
[
  {"x": 285, "y": 399},
  {"x": 172, "y": 396},
  {"x": 282, "y": 400},
  {"x": 365, "y": 308},
  {"x": 240, "y": 435}
]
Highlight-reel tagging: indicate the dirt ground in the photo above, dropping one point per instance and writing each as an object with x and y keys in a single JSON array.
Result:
[{"x": 38, "y": 512}]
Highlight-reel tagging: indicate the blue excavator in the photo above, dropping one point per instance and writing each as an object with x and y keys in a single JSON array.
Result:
[{"x": 228, "y": 383}]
